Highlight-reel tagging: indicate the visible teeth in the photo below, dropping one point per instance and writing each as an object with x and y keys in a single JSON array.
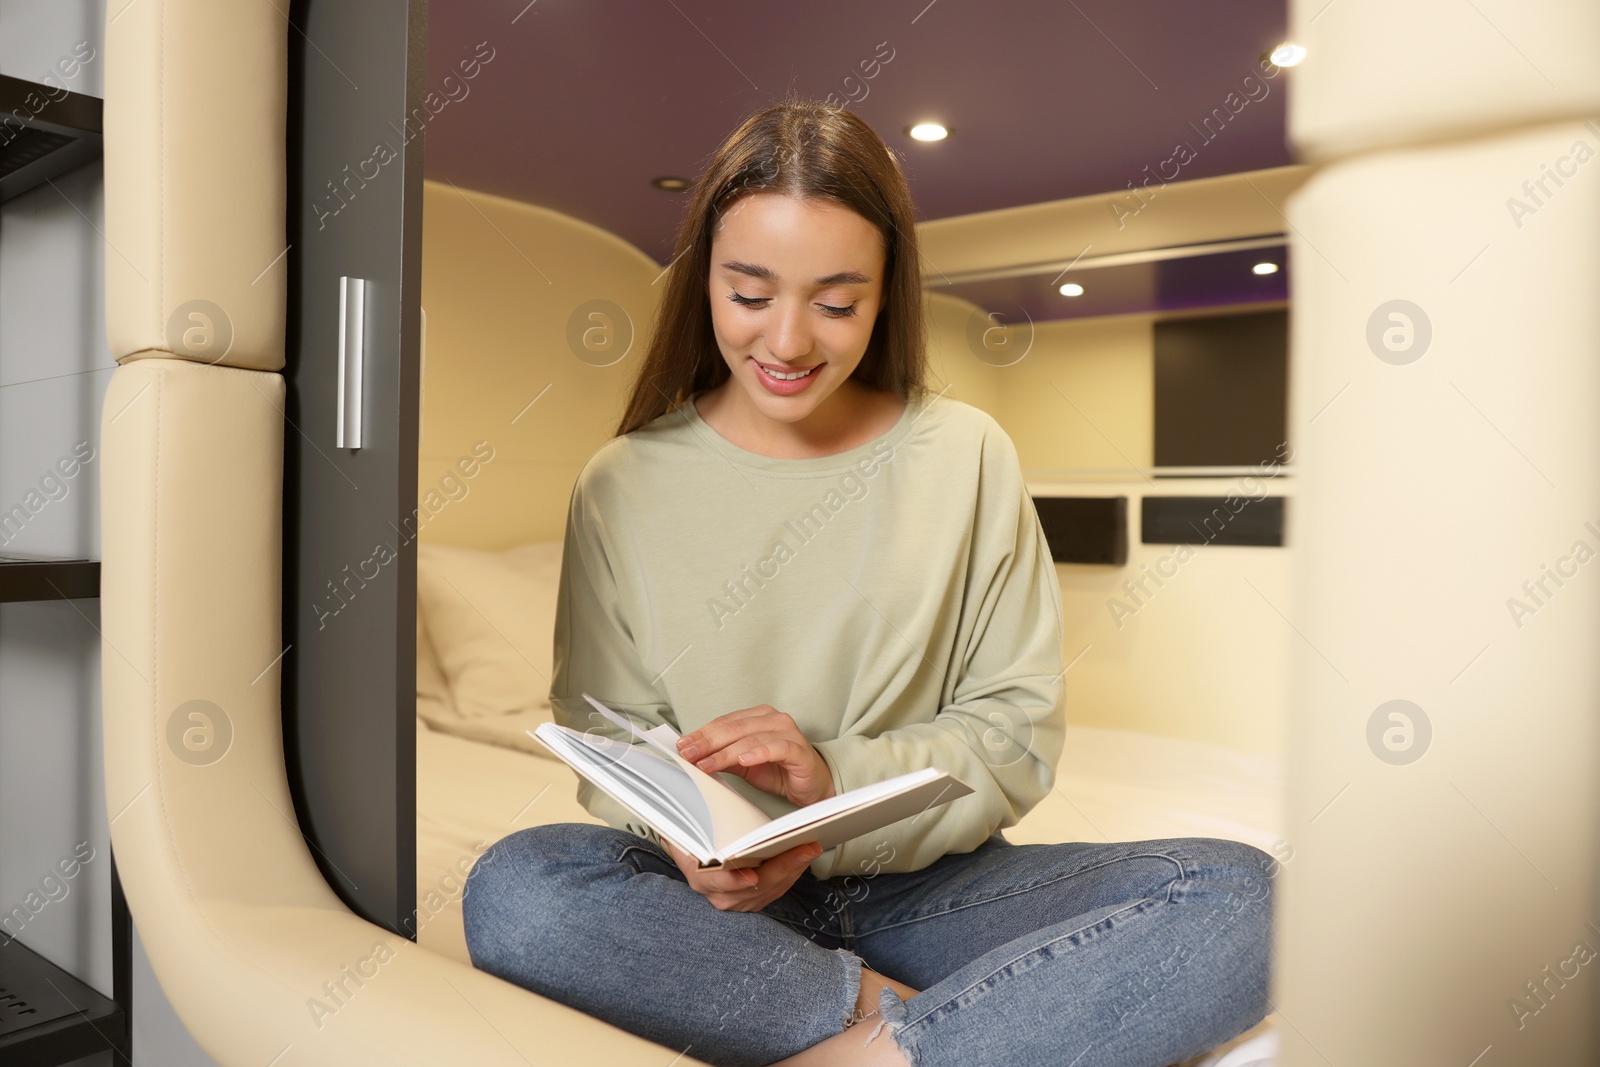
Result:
[{"x": 788, "y": 377}]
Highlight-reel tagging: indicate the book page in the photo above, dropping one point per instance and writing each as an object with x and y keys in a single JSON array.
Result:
[
  {"x": 743, "y": 835},
  {"x": 639, "y": 779},
  {"x": 729, "y": 815}
]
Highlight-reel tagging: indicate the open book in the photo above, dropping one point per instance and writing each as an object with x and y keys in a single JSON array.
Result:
[{"x": 711, "y": 821}]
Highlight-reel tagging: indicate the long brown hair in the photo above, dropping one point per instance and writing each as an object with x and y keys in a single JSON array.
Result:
[{"x": 801, "y": 148}]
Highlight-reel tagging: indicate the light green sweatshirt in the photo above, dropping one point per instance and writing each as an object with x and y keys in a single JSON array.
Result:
[{"x": 897, "y": 599}]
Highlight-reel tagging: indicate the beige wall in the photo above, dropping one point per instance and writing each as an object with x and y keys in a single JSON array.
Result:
[
  {"x": 1201, "y": 654},
  {"x": 1199, "y": 657},
  {"x": 501, "y": 281}
]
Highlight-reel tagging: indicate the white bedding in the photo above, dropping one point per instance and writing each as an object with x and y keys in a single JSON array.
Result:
[{"x": 1110, "y": 786}]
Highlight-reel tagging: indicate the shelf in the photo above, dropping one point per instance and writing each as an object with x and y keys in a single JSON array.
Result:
[
  {"x": 47, "y": 1016},
  {"x": 28, "y": 577},
  {"x": 44, "y": 131}
]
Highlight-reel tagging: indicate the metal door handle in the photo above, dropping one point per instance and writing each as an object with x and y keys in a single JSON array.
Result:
[{"x": 352, "y": 347}]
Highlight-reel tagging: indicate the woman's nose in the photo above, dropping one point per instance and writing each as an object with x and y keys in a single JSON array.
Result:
[{"x": 789, "y": 337}]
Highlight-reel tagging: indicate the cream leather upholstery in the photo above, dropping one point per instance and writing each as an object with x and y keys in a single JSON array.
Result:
[
  {"x": 260, "y": 959},
  {"x": 1380, "y": 73},
  {"x": 194, "y": 125},
  {"x": 1422, "y": 902}
]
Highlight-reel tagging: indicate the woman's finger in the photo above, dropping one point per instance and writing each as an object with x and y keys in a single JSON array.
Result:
[
  {"x": 767, "y": 748},
  {"x": 750, "y": 751},
  {"x": 786, "y": 866},
  {"x": 800, "y": 856},
  {"x": 730, "y": 881},
  {"x": 715, "y": 736},
  {"x": 773, "y": 875},
  {"x": 724, "y": 729},
  {"x": 703, "y": 881},
  {"x": 746, "y": 713}
]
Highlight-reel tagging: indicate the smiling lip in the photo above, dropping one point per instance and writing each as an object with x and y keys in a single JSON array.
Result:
[
  {"x": 781, "y": 368},
  {"x": 786, "y": 387}
]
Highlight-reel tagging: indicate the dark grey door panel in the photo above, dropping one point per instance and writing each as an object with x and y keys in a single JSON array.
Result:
[{"x": 355, "y": 202}]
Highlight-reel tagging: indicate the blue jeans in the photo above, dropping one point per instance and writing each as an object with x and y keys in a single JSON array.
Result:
[{"x": 1133, "y": 954}]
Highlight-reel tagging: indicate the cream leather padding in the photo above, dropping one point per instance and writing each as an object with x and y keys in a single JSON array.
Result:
[
  {"x": 1380, "y": 73},
  {"x": 1445, "y": 467},
  {"x": 1445, "y": 407},
  {"x": 253, "y": 949},
  {"x": 259, "y": 958},
  {"x": 194, "y": 192}
]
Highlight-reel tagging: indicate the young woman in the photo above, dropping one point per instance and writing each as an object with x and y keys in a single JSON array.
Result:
[{"x": 822, "y": 575}]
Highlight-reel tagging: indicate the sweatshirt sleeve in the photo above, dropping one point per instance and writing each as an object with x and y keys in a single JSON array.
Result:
[
  {"x": 595, "y": 653},
  {"x": 1003, "y": 728}
]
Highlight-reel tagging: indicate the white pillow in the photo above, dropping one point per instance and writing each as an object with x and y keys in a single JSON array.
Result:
[
  {"x": 433, "y": 692},
  {"x": 491, "y": 621}
]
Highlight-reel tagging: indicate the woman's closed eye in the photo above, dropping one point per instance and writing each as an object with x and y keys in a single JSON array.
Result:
[{"x": 761, "y": 301}]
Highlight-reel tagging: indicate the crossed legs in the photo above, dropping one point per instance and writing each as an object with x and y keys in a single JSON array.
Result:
[{"x": 1082, "y": 954}]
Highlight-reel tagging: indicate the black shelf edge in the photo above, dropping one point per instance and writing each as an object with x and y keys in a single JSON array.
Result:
[
  {"x": 25, "y": 578},
  {"x": 45, "y": 130},
  {"x": 122, "y": 958},
  {"x": 48, "y": 1017}
]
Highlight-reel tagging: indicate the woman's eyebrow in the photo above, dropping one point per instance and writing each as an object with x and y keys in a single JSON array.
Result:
[{"x": 756, "y": 270}]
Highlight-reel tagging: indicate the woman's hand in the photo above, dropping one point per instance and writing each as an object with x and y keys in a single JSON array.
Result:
[
  {"x": 746, "y": 888},
  {"x": 764, "y": 747}
]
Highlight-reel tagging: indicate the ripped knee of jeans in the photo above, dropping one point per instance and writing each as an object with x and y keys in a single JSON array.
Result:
[{"x": 891, "y": 1013}]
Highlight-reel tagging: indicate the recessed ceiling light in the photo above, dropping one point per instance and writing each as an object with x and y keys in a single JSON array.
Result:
[
  {"x": 928, "y": 131},
  {"x": 671, "y": 185},
  {"x": 1286, "y": 54},
  {"x": 1265, "y": 268},
  {"x": 1072, "y": 289}
]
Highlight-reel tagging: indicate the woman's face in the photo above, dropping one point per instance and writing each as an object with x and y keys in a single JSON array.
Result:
[{"x": 795, "y": 286}]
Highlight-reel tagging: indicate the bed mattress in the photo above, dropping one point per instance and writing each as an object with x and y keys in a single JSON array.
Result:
[{"x": 1111, "y": 785}]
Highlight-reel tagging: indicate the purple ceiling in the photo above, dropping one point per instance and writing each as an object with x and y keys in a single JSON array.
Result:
[
  {"x": 1168, "y": 285},
  {"x": 581, "y": 104}
]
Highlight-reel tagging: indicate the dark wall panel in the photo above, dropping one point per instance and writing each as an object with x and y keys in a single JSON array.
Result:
[
  {"x": 1221, "y": 389},
  {"x": 1202, "y": 520},
  {"x": 1085, "y": 529}
]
